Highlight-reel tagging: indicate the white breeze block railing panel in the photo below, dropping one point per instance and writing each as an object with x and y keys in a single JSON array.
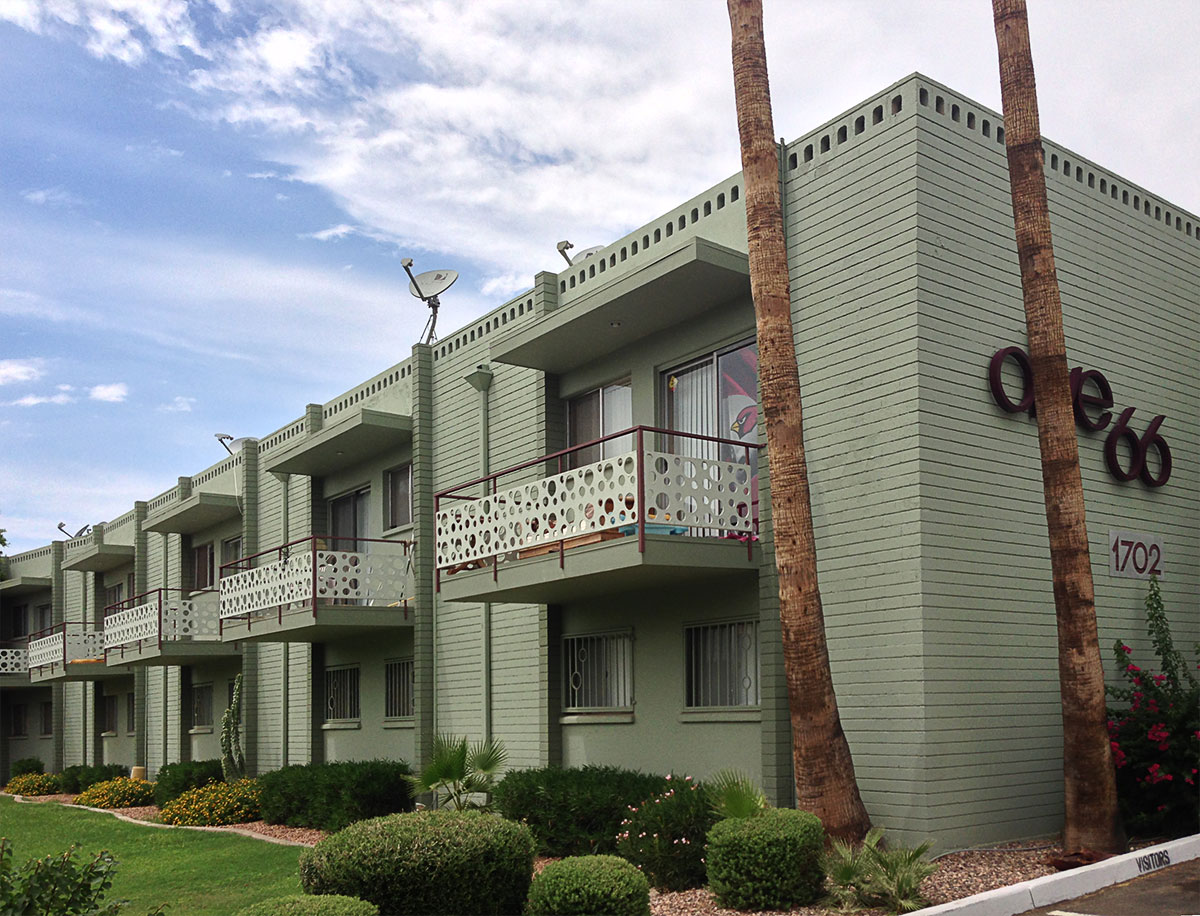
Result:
[
  {"x": 14, "y": 661},
  {"x": 342, "y": 577},
  {"x": 681, "y": 491},
  {"x": 49, "y": 650},
  {"x": 182, "y": 619}
]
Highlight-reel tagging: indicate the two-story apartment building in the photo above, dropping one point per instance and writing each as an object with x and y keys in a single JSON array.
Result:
[{"x": 553, "y": 526}]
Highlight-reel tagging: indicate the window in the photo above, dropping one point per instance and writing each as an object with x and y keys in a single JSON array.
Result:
[
  {"x": 202, "y": 706},
  {"x": 16, "y": 720},
  {"x": 598, "y": 671},
  {"x": 47, "y": 718},
  {"x": 599, "y": 413},
  {"x": 722, "y": 664},
  {"x": 114, "y": 595},
  {"x": 398, "y": 688},
  {"x": 399, "y": 496},
  {"x": 341, "y": 694},
  {"x": 348, "y": 520},
  {"x": 130, "y": 713},
  {"x": 231, "y": 550},
  {"x": 45, "y": 617},
  {"x": 16, "y": 623},
  {"x": 108, "y": 718},
  {"x": 202, "y": 566}
]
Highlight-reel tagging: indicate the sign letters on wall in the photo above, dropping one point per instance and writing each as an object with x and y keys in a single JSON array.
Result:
[{"x": 1081, "y": 399}]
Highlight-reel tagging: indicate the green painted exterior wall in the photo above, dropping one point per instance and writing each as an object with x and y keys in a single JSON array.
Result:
[{"x": 930, "y": 528}]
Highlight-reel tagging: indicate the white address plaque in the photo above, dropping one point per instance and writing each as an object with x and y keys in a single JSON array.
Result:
[{"x": 1134, "y": 555}]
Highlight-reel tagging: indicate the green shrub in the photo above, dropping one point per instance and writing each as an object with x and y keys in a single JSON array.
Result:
[
  {"x": 876, "y": 876},
  {"x": 176, "y": 778},
  {"x": 461, "y": 776},
  {"x": 214, "y": 805},
  {"x": 32, "y": 784},
  {"x": 574, "y": 812},
  {"x": 75, "y": 779},
  {"x": 305, "y": 905},
  {"x": 121, "y": 792},
  {"x": 26, "y": 765},
  {"x": 768, "y": 862},
  {"x": 589, "y": 886},
  {"x": 330, "y": 796},
  {"x": 731, "y": 793},
  {"x": 664, "y": 835},
  {"x": 428, "y": 862},
  {"x": 1154, "y": 728},
  {"x": 57, "y": 885}
]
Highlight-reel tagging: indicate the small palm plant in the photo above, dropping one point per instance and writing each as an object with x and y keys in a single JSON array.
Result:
[
  {"x": 874, "y": 875},
  {"x": 458, "y": 773},
  {"x": 731, "y": 793}
]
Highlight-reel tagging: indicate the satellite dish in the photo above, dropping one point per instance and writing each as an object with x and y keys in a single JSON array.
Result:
[
  {"x": 432, "y": 283},
  {"x": 427, "y": 287},
  {"x": 586, "y": 253},
  {"x": 236, "y": 445}
]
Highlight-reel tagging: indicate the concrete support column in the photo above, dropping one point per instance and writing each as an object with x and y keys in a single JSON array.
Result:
[
  {"x": 58, "y": 600},
  {"x": 424, "y": 629},
  {"x": 251, "y": 651},
  {"x": 141, "y": 582}
]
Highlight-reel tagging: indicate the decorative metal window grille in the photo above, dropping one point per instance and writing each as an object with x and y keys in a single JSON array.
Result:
[
  {"x": 16, "y": 720},
  {"x": 722, "y": 664},
  {"x": 130, "y": 712},
  {"x": 47, "y": 717},
  {"x": 598, "y": 671},
  {"x": 398, "y": 688},
  {"x": 202, "y": 706},
  {"x": 341, "y": 694},
  {"x": 110, "y": 724}
]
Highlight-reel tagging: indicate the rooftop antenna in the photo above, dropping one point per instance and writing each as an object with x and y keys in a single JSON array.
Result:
[
  {"x": 62, "y": 526},
  {"x": 427, "y": 287},
  {"x": 224, "y": 439},
  {"x": 563, "y": 247}
]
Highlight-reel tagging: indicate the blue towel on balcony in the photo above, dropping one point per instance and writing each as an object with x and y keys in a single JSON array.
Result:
[{"x": 653, "y": 529}]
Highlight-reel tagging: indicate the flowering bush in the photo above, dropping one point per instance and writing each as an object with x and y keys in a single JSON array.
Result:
[
  {"x": 32, "y": 784},
  {"x": 121, "y": 792},
  {"x": 664, "y": 835},
  {"x": 1156, "y": 734},
  {"x": 214, "y": 805}
]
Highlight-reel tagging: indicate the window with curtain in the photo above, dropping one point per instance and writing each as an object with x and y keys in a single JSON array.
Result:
[{"x": 598, "y": 413}]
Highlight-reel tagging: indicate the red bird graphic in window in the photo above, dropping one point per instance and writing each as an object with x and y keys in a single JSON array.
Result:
[{"x": 747, "y": 419}]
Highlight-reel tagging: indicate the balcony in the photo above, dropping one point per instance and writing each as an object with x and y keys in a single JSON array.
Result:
[
  {"x": 582, "y": 531},
  {"x": 166, "y": 626},
  {"x": 304, "y": 591},
  {"x": 99, "y": 558},
  {"x": 24, "y": 585},
  {"x": 14, "y": 663},
  {"x": 70, "y": 652}
]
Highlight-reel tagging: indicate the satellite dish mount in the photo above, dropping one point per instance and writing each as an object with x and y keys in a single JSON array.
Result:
[{"x": 427, "y": 287}]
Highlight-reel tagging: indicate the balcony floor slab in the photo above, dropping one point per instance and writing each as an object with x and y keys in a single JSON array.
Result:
[
  {"x": 92, "y": 669},
  {"x": 604, "y": 568},
  {"x": 174, "y": 652},
  {"x": 329, "y": 623}
]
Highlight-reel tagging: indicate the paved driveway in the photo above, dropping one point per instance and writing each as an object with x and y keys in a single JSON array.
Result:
[{"x": 1174, "y": 891}]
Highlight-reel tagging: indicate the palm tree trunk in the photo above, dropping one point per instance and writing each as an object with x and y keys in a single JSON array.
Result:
[
  {"x": 1092, "y": 819},
  {"x": 825, "y": 783}
]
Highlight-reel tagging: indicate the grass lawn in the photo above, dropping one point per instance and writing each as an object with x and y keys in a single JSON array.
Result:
[{"x": 195, "y": 873}]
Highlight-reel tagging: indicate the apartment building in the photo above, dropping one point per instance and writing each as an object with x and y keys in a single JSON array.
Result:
[{"x": 553, "y": 526}]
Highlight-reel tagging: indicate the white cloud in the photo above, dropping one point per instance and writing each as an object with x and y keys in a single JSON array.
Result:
[
  {"x": 51, "y": 197},
  {"x": 339, "y": 231},
  {"x": 113, "y": 393},
  {"x": 20, "y": 370},
  {"x": 281, "y": 196},
  {"x": 33, "y": 400},
  {"x": 179, "y": 404}
]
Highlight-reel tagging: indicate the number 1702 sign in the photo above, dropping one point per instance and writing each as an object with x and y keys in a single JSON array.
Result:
[{"x": 1138, "y": 556}]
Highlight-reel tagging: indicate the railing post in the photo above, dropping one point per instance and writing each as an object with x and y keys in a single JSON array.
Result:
[
  {"x": 314, "y": 582},
  {"x": 641, "y": 490},
  {"x": 160, "y": 619},
  {"x": 437, "y": 569},
  {"x": 753, "y": 509}
]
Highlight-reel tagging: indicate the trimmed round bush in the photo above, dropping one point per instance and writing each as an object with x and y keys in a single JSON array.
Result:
[
  {"x": 26, "y": 765},
  {"x": 427, "y": 862},
  {"x": 305, "y": 905},
  {"x": 32, "y": 784},
  {"x": 664, "y": 835},
  {"x": 768, "y": 862},
  {"x": 174, "y": 779},
  {"x": 330, "y": 796},
  {"x": 589, "y": 886},
  {"x": 214, "y": 805},
  {"x": 575, "y": 811},
  {"x": 121, "y": 792}
]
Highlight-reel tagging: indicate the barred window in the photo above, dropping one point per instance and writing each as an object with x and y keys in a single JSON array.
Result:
[
  {"x": 47, "y": 717},
  {"x": 398, "y": 688},
  {"x": 202, "y": 706},
  {"x": 722, "y": 664},
  {"x": 341, "y": 694},
  {"x": 598, "y": 671}
]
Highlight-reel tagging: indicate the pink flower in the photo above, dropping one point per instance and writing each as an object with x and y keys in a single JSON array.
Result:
[
  {"x": 1159, "y": 678},
  {"x": 1126, "y": 649},
  {"x": 1132, "y": 667}
]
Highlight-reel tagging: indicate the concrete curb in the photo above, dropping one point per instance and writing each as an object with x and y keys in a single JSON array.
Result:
[
  {"x": 1040, "y": 892},
  {"x": 240, "y": 831}
]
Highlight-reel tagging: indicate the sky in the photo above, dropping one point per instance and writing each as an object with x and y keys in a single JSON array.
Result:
[{"x": 204, "y": 205}]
